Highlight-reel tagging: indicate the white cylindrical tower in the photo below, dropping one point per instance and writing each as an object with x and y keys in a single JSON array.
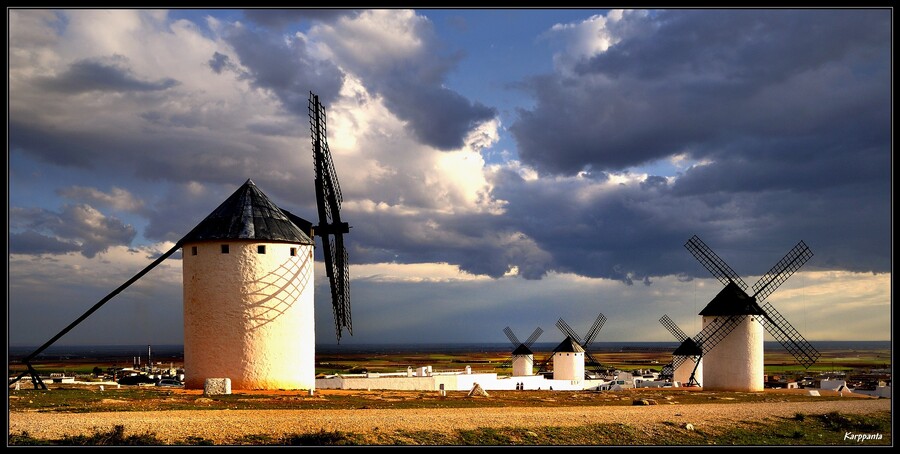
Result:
[
  {"x": 735, "y": 362},
  {"x": 248, "y": 297},
  {"x": 683, "y": 374},
  {"x": 568, "y": 361},
  {"x": 690, "y": 355},
  {"x": 522, "y": 365}
]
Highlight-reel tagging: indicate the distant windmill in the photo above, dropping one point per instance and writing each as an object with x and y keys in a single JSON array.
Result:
[
  {"x": 578, "y": 348},
  {"x": 247, "y": 283},
  {"x": 522, "y": 357},
  {"x": 686, "y": 365},
  {"x": 729, "y": 320}
]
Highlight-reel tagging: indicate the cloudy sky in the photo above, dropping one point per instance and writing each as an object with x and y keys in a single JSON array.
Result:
[{"x": 498, "y": 167}]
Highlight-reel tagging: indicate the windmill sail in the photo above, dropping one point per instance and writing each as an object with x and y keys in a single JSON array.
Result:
[
  {"x": 789, "y": 337},
  {"x": 533, "y": 337},
  {"x": 511, "y": 336},
  {"x": 712, "y": 334},
  {"x": 713, "y": 263},
  {"x": 595, "y": 328},
  {"x": 673, "y": 328},
  {"x": 568, "y": 331},
  {"x": 792, "y": 261},
  {"x": 330, "y": 228}
]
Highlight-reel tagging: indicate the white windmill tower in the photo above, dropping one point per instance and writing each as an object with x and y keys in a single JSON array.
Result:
[
  {"x": 522, "y": 357},
  {"x": 248, "y": 297},
  {"x": 248, "y": 285},
  {"x": 687, "y": 366},
  {"x": 734, "y": 321},
  {"x": 569, "y": 356},
  {"x": 568, "y": 360}
]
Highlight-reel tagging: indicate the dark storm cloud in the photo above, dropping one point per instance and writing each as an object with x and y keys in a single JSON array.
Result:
[
  {"x": 478, "y": 244},
  {"x": 30, "y": 242},
  {"x": 707, "y": 82},
  {"x": 279, "y": 18},
  {"x": 633, "y": 233},
  {"x": 173, "y": 156},
  {"x": 88, "y": 75},
  {"x": 438, "y": 116},
  {"x": 68, "y": 149},
  {"x": 81, "y": 224},
  {"x": 287, "y": 71}
]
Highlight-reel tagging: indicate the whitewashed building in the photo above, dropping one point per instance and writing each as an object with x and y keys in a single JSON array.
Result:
[
  {"x": 736, "y": 362},
  {"x": 248, "y": 296}
]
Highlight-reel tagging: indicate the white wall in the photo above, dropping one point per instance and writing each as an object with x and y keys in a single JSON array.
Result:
[
  {"x": 455, "y": 382},
  {"x": 568, "y": 366},
  {"x": 249, "y": 316},
  {"x": 832, "y": 384},
  {"x": 522, "y": 365},
  {"x": 736, "y": 363},
  {"x": 683, "y": 373},
  {"x": 880, "y": 391}
]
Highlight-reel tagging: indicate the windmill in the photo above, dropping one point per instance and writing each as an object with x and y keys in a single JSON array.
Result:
[
  {"x": 247, "y": 273},
  {"x": 687, "y": 354},
  {"x": 729, "y": 320},
  {"x": 576, "y": 345},
  {"x": 522, "y": 358}
]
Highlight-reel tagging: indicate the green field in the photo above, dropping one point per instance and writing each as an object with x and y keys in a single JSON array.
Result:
[{"x": 778, "y": 362}]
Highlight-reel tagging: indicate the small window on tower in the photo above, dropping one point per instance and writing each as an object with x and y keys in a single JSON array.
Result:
[
  {"x": 293, "y": 252},
  {"x": 193, "y": 250},
  {"x": 261, "y": 249},
  {"x": 224, "y": 248}
]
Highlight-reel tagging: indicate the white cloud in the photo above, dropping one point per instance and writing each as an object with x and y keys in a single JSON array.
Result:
[
  {"x": 411, "y": 272},
  {"x": 592, "y": 36},
  {"x": 117, "y": 198},
  {"x": 379, "y": 161},
  {"x": 374, "y": 37}
]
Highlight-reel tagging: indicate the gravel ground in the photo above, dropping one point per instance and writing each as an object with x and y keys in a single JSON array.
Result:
[{"x": 221, "y": 425}]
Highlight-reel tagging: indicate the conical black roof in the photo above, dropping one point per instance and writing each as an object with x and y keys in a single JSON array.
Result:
[
  {"x": 249, "y": 215},
  {"x": 688, "y": 348},
  {"x": 522, "y": 349},
  {"x": 568, "y": 345},
  {"x": 732, "y": 301}
]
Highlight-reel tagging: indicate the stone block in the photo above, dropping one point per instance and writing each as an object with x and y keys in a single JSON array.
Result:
[{"x": 216, "y": 386}]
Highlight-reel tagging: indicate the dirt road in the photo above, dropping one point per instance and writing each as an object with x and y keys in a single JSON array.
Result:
[{"x": 222, "y": 425}]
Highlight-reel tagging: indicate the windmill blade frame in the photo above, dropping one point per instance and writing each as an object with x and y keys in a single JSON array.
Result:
[
  {"x": 330, "y": 227},
  {"x": 677, "y": 361},
  {"x": 595, "y": 328},
  {"x": 716, "y": 331},
  {"x": 533, "y": 337},
  {"x": 789, "y": 337},
  {"x": 713, "y": 263},
  {"x": 512, "y": 337},
  {"x": 568, "y": 331},
  {"x": 598, "y": 366},
  {"x": 790, "y": 263},
  {"x": 670, "y": 325}
]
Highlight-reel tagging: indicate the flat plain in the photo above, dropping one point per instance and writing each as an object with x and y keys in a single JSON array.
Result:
[{"x": 69, "y": 413}]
